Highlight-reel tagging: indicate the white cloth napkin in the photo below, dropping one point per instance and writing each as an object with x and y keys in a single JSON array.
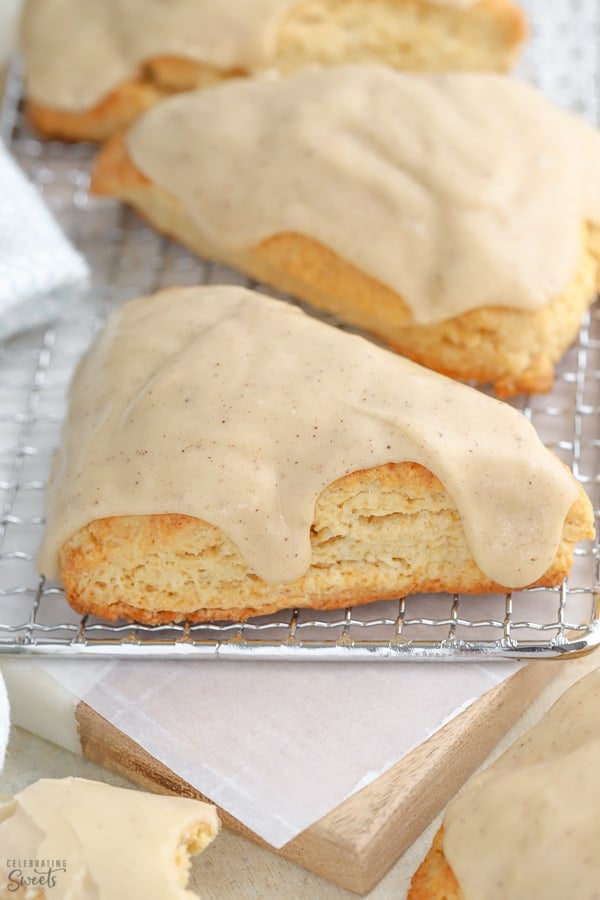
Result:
[
  {"x": 4, "y": 721},
  {"x": 40, "y": 272}
]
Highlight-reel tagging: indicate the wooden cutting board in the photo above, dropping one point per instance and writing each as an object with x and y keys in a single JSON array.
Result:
[{"x": 358, "y": 842}]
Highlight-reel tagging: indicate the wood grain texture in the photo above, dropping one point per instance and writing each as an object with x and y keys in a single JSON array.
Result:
[{"x": 356, "y": 843}]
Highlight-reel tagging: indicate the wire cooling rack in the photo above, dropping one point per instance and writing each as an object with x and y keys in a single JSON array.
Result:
[{"x": 129, "y": 259}]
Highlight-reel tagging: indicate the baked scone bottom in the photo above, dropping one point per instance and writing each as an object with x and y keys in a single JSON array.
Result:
[
  {"x": 377, "y": 534},
  {"x": 514, "y": 350}
]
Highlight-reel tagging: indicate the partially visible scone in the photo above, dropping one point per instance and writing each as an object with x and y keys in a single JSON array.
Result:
[
  {"x": 453, "y": 218},
  {"x": 510, "y": 832},
  {"x": 226, "y": 455},
  {"x": 73, "y": 837},
  {"x": 92, "y": 66},
  {"x": 514, "y": 350}
]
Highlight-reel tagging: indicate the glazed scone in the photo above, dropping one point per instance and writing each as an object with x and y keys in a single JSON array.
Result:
[
  {"x": 528, "y": 825},
  {"x": 226, "y": 455},
  {"x": 94, "y": 841},
  {"x": 93, "y": 65},
  {"x": 454, "y": 217}
]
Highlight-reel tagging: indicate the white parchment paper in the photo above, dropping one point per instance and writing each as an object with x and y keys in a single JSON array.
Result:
[{"x": 278, "y": 745}]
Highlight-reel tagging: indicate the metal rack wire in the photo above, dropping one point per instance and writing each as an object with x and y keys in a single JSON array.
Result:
[{"x": 129, "y": 259}]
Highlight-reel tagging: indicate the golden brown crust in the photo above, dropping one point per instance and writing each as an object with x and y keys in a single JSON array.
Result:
[
  {"x": 114, "y": 169},
  {"x": 159, "y": 78},
  {"x": 377, "y": 534},
  {"x": 97, "y": 124},
  {"x": 175, "y": 74},
  {"x": 515, "y": 350},
  {"x": 406, "y": 34},
  {"x": 434, "y": 879}
]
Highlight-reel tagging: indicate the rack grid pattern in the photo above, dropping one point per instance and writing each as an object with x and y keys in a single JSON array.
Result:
[{"x": 128, "y": 259}]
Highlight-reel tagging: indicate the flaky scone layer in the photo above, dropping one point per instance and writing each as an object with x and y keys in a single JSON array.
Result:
[
  {"x": 407, "y": 34},
  {"x": 377, "y": 534},
  {"x": 434, "y": 879},
  {"x": 514, "y": 350}
]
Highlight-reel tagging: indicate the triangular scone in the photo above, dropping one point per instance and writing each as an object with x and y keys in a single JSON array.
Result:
[
  {"x": 91, "y": 66},
  {"x": 93, "y": 840},
  {"x": 454, "y": 217},
  {"x": 509, "y": 833},
  {"x": 226, "y": 455}
]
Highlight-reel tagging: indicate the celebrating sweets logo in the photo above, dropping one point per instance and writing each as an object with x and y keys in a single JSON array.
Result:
[{"x": 33, "y": 873}]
